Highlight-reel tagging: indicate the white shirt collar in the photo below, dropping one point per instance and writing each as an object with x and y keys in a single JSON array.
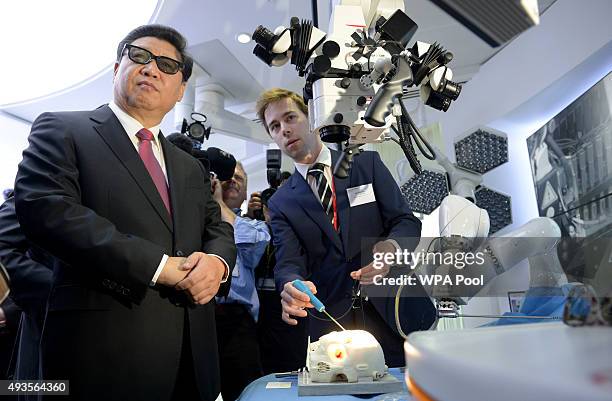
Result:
[
  {"x": 130, "y": 124},
  {"x": 323, "y": 158}
]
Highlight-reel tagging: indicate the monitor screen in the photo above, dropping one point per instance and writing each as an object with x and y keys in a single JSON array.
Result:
[{"x": 571, "y": 165}]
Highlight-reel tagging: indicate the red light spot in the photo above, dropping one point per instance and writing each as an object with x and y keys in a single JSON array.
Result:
[{"x": 338, "y": 354}]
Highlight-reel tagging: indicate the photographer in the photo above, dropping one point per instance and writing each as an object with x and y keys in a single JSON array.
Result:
[{"x": 237, "y": 313}]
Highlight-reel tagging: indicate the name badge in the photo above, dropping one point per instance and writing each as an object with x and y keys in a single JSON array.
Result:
[{"x": 361, "y": 195}]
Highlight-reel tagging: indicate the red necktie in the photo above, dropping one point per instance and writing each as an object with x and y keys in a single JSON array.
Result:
[{"x": 145, "y": 150}]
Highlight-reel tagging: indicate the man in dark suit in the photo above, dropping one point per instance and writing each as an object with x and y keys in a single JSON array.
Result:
[
  {"x": 31, "y": 273},
  {"x": 323, "y": 226},
  {"x": 10, "y": 314},
  {"x": 140, "y": 238}
]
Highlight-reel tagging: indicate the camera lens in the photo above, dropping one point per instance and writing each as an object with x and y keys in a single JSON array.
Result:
[
  {"x": 331, "y": 49},
  {"x": 264, "y": 37},
  {"x": 335, "y": 133},
  {"x": 438, "y": 101},
  {"x": 451, "y": 89},
  {"x": 263, "y": 54},
  {"x": 321, "y": 65}
]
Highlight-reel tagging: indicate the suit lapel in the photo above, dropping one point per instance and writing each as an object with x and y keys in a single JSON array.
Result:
[
  {"x": 109, "y": 128},
  {"x": 342, "y": 203},
  {"x": 304, "y": 196}
]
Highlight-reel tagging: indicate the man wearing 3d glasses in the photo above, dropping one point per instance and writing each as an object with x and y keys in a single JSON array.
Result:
[{"x": 133, "y": 219}]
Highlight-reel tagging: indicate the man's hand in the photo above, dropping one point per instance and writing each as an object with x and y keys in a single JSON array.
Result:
[
  {"x": 173, "y": 272},
  {"x": 254, "y": 204},
  {"x": 204, "y": 276},
  {"x": 294, "y": 301},
  {"x": 216, "y": 189},
  {"x": 366, "y": 274}
]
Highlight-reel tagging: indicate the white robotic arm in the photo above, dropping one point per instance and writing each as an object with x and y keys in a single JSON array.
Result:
[
  {"x": 462, "y": 182},
  {"x": 508, "y": 250},
  {"x": 463, "y": 228}
]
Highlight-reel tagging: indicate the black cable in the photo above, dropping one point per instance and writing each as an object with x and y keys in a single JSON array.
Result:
[
  {"x": 337, "y": 318},
  {"x": 409, "y": 132},
  {"x": 361, "y": 300},
  {"x": 418, "y": 136},
  {"x": 356, "y": 290},
  {"x": 406, "y": 146},
  {"x": 394, "y": 139}
]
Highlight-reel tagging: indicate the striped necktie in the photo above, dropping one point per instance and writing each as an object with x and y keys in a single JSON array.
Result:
[
  {"x": 145, "y": 150},
  {"x": 324, "y": 190}
]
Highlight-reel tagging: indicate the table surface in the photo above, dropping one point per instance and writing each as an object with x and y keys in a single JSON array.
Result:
[
  {"x": 538, "y": 361},
  {"x": 257, "y": 391}
]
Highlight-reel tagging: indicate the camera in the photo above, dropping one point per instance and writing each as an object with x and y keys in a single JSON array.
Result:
[
  {"x": 273, "y": 174},
  {"x": 219, "y": 163}
]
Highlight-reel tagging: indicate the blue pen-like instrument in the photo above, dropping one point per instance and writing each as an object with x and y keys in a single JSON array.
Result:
[{"x": 318, "y": 305}]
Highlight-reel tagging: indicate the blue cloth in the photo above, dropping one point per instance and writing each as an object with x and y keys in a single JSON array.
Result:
[
  {"x": 308, "y": 247},
  {"x": 251, "y": 237},
  {"x": 257, "y": 391},
  {"x": 539, "y": 301}
]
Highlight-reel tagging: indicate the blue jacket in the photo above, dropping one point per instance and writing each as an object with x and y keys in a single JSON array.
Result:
[{"x": 252, "y": 237}]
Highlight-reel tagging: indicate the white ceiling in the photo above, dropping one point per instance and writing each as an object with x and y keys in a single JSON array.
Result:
[{"x": 211, "y": 28}]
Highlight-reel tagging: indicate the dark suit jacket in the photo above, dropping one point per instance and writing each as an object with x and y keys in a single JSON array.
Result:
[
  {"x": 307, "y": 246},
  {"x": 30, "y": 277},
  {"x": 84, "y": 195},
  {"x": 31, "y": 273}
]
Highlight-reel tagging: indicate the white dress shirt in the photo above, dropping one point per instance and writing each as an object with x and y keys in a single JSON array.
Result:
[
  {"x": 131, "y": 127},
  {"x": 323, "y": 158},
  {"x": 326, "y": 159}
]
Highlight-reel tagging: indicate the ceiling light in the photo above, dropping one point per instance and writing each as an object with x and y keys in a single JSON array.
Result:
[
  {"x": 482, "y": 150},
  {"x": 243, "y": 37},
  {"x": 497, "y": 205},
  {"x": 424, "y": 192}
]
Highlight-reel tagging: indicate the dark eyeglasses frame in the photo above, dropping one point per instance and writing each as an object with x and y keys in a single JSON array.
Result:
[{"x": 152, "y": 57}]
